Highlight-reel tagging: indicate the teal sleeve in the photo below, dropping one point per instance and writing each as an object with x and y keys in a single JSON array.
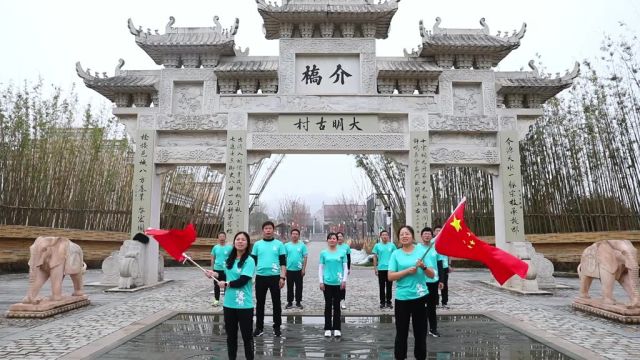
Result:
[
  {"x": 249, "y": 267},
  {"x": 393, "y": 263},
  {"x": 305, "y": 252},
  {"x": 322, "y": 258},
  {"x": 282, "y": 249},
  {"x": 254, "y": 249}
]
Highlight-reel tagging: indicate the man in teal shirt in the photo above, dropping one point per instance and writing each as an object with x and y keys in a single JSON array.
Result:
[
  {"x": 347, "y": 251},
  {"x": 271, "y": 261},
  {"x": 381, "y": 254},
  {"x": 219, "y": 255},
  {"x": 296, "y": 252}
]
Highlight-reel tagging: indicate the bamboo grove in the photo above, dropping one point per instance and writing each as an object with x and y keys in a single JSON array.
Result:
[{"x": 579, "y": 163}]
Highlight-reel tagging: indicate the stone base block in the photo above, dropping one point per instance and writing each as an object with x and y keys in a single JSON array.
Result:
[
  {"x": 617, "y": 312},
  {"x": 517, "y": 290},
  {"x": 47, "y": 308},
  {"x": 139, "y": 288}
]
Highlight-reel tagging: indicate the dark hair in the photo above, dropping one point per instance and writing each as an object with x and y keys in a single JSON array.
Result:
[
  {"x": 267, "y": 223},
  {"x": 329, "y": 235},
  {"x": 339, "y": 233},
  {"x": 384, "y": 231},
  {"x": 296, "y": 230},
  {"x": 425, "y": 230},
  {"x": 408, "y": 227},
  {"x": 222, "y": 233},
  {"x": 437, "y": 227},
  {"x": 234, "y": 253}
]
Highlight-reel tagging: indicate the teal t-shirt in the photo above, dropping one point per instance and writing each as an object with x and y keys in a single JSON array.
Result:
[
  {"x": 295, "y": 255},
  {"x": 242, "y": 297},
  {"x": 430, "y": 260},
  {"x": 383, "y": 252},
  {"x": 345, "y": 247},
  {"x": 221, "y": 253},
  {"x": 268, "y": 253},
  {"x": 333, "y": 263},
  {"x": 412, "y": 286}
]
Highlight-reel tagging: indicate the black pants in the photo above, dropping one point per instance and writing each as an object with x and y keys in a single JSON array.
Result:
[
  {"x": 216, "y": 289},
  {"x": 432, "y": 302},
  {"x": 243, "y": 317},
  {"x": 272, "y": 284},
  {"x": 405, "y": 311},
  {"x": 445, "y": 288},
  {"x": 294, "y": 278},
  {"x": 385, "y": 287},
  {"x": 332, "y": 307},
  {"x": 343, "y": 293}
]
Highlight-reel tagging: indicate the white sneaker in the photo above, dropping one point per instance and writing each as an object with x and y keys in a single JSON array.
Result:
[
  {"x": 337, "y": 333},
  {"x": 327, "y": 333},
  {"x": 215, "y": 303},
  {"x": 343, "y": 305}
]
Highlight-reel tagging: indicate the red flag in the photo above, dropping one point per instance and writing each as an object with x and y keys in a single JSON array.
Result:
[
  {"x": 455, "y": 239},
  {"x": 175, "y": 241}
]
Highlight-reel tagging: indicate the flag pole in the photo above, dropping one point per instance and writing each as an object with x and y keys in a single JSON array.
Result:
[{"x": 187, "y": 257}]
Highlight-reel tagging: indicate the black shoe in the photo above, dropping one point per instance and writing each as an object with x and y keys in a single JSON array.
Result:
[
  {"x": 258, "y": 332},
  {"x": 289, "y": 306},
  {"x": 382, "y": 306},
  {"x": 390, "y": 305},
  {"x": 299, "y": 306},
  {"x": 277, "y": 332},
  {"x": 434, "y": 333}
]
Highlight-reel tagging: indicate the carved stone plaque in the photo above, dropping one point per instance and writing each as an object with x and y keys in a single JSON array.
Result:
[
  {"x": 187, "y": 98},
  {"x": 467, "y": 99}
]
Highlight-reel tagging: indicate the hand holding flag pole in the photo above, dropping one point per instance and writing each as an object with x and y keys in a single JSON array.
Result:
[
  {"x": 457, "y": 240},
  {"x": 175, "y": 242}
]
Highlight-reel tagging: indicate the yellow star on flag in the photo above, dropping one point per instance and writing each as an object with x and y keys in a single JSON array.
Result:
[{"x": 456, "y": 223}]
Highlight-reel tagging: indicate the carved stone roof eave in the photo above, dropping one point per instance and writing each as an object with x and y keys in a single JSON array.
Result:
[
  {"x": 121, "y": 83},
  {"x": 546, "y": 88},
  {"x": 213, "y": 41},
  {"x": 407, "y": 69},
  {"x": 379, "y": 14},
  {"x": 247, "y": 69}
]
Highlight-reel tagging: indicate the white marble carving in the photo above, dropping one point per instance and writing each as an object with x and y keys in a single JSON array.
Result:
[
  {"x": 336, "y": 142},
  {"x": 464, "y": 140},
  {"x": 392, "y": 125},
  {"x": 191, "y": 122},
  {"x": 463, "y": 123},
  {"x": 544, "y": 268},
  {"x": 268, "y": 123},
  {"x": 467, "y": 99},
  {"x": 237, "y": 121},
  {"x": 146, "y": 121},
  {"x": 111, "y": 269},
  {"x": 187, "y": 98},
  {"x": 190, "y": 155},
  {"x": 131, "y": 273},
  {"x": 444, "y": 155}
]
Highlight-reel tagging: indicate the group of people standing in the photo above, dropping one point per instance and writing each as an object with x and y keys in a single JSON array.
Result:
[{"x": 419, "y": 272}]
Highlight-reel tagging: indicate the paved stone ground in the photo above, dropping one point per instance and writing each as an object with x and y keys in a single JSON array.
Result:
[{"x": 109, "y": 312}]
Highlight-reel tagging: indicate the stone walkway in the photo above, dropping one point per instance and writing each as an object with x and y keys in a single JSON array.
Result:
[{"x": 109, "y": 312}]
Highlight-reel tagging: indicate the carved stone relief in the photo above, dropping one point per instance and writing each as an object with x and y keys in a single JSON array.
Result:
[
  {"x": 146, "y": 121},
  {"x": 237, "y": 121},
  {"x": 392, "y": 125},
  {"x": 181, "y": 139},
  {"x": 441, "y": 155},
  {"x": 264, "y": 123},
  {"x": 467, "y": 99},
  {"x": 463, "y": 123},
  {"x": 187, "y": 98},
  {"x": 418, "y": 122},
  {"x": 192, "y": 122},
  {"x": 458, "y": 140},
  {"x": 295, "y": 142},
  {"x": 450, "y": 77},
  {"x": 190, "y": 155}
]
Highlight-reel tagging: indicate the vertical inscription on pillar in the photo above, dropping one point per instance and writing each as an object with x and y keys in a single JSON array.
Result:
[
  {"x": 143, "y": 173},
  {"x": 511, "y": 185},
  {"x": 420, "y": 179},
  {"x": 235, "y": 177}
]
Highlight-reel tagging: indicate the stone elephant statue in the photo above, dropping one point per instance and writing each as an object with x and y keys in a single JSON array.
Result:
[
  {"x": 610, "y": 261},
  {"x": 53, "y": 258}
]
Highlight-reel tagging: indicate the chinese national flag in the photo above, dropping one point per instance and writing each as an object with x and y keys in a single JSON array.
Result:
[
  {"x": 456, "y": 240},
  {"x": 175, "y": 241}
]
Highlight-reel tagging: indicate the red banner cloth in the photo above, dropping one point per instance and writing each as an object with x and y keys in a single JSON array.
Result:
[
  {"x": 174, "y": 241},
  {"x": 456, "y": 240}
]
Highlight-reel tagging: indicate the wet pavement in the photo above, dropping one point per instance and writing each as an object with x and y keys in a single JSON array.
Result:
[{"x": 548, "y": 316}]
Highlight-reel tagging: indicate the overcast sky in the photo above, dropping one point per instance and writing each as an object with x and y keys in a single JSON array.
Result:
[{"x": 46, "y": 38}]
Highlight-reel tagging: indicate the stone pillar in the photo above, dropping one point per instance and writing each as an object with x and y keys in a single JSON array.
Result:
[
  {"x": 508, "y": 211},
  {"x": 236, "y": 216},
  {"x": 418, "y": 187},
  {"x": 146, "y": 196}
]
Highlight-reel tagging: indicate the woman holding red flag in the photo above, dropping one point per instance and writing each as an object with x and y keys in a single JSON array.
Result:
[
  {"x": 409, "y": 272},
  {"x": 238, "y": 300}
]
